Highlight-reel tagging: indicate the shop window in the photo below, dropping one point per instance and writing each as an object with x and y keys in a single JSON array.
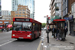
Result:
[{"x": 73, "y": 7}]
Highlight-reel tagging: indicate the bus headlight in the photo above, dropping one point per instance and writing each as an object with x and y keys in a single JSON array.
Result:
[
  {"x": 29, "y": 35},
  {"x": 13, "y": 34}
]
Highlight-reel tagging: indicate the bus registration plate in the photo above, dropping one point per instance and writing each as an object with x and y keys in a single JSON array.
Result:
[{"x": 20, "y": 37}]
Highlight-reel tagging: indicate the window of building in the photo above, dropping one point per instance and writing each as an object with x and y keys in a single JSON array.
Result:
[
  {"x": 23, "y": 9},
  {"x": 19, "y": 9},
  {"x": 16, "y": 12},
  {"x": 26, "y": 15},
  {"x": 1, "y": 22},
  {"x": 16, "y": 15},
  {"x": 6, "y": 22},
  {"x": 26, "y": 11},
  {"x": 7, "y": 19},
  {"x": 65, "y": 0},
  {"x": 23, "y": 12},
  {"x": 19, "y": 15},
  {"x": 26, "y": 7},
  {"x": 19, "y": 12},
  {"x": 23, "y": 15}
]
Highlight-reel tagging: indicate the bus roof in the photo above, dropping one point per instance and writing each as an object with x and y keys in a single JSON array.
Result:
[{"x": 27, "y": 18}]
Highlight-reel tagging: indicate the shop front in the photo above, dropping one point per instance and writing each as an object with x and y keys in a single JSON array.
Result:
[{"x": 72, "y": 25}]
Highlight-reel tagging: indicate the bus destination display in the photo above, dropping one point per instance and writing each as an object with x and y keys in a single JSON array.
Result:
[{"x": 22, "y": 19}]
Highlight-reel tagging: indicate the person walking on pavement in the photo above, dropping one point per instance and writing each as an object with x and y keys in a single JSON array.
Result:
[
  {"x": 61, "y": 31},
  {"x": 65, "y": 30},
  {"x": 57, "y": 34},
  {"x": 53, "y": 32}
]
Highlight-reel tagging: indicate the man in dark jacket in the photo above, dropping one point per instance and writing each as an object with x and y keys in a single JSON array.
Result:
[
  {"x": 57, "y": 32},
  {"x": 65, "y": 30},
  {"x": 53, "y": 32}
]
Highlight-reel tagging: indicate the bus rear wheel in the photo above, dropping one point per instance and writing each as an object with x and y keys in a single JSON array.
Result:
[
  {"x": 33, "y": 37},
  {"x": 39, "y": 35}
]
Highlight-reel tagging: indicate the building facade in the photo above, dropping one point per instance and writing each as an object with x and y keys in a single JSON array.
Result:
[
  {"x": 3, "y": 22},
  {"x": 52, "y": 8},
  {"x": 67, "y": 10},
  {"x": 55, "y": 8},
  {"x": 6, "y": 15},
  {"x": 0, "y": 10},
  {"x": 29, "y": 3},
  {"x": 68, "y": 13},
  {"x": 22, "y": 12}
]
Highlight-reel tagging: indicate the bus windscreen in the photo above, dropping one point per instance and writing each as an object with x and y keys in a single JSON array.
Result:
[{"x": 22, "y": 26}]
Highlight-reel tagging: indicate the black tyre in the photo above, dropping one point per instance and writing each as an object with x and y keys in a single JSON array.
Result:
[
  {"x": 63, "y": 39},
  {"x": 39, "y": 35},
  {"x": 33, "y": 37},
  {"x": 18, "y": 39}
]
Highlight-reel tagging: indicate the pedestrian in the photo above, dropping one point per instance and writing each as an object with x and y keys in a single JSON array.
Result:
[
  {"x": 61, "y": 35},
  {"x": 53, "y": 31},
  {"x": 65, "y": 30},
  {"x": 57, "y": 34}
]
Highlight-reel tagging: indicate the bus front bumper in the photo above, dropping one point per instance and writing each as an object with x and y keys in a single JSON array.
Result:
[{"x": 21, "y": 37}]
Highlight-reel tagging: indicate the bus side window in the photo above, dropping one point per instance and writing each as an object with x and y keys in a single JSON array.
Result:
[
  {"x": 33, "y": 27},
  {"x": 40, "y": 27},
  {"x": 37, "y": 27}
]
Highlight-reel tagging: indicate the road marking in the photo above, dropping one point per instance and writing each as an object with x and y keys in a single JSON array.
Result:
[
  {"x": 5, "y": 43},
  {"x": 39, "y": 45}
]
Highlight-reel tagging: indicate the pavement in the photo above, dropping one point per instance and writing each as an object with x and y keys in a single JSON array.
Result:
[
  {"x": 53, "y": 44},
  {"x": 7, "y": 43}
]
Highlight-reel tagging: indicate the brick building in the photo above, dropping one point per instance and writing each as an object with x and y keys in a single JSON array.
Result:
[
  {"x": 3, "y": 22},
  {"x": 22, "y": 12}
]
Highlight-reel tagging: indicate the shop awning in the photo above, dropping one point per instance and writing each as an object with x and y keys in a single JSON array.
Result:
[{"x": 59, "y": 20}]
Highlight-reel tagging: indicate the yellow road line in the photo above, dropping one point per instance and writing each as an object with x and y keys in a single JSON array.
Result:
[{"x": 39, "y": 45}]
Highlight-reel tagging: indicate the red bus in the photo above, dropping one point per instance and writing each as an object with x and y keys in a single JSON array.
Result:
[
  {"x": 1, "y": 27},
  {"x": 26, "y": 28}
]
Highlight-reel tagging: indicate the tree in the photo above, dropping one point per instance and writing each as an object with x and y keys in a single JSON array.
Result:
[{"x": 43, "y": 24}]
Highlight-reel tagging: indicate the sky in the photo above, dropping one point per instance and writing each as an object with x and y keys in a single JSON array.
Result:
[{"x": 41, "y": 9}]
